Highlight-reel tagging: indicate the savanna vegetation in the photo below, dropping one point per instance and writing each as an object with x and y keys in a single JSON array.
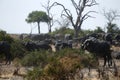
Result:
[
  {"x": 48, "y": 65},
  {"x": 63, "y": 64}
]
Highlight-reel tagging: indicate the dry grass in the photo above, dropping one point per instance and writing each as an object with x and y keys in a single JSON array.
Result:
[{"x": 69, "y": 62}]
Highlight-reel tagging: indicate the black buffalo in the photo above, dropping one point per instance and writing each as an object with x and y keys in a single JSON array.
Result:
[
  {"x": 95, "y": 35},
  {"x": 67, "y": 44},
  {"x": 63, "y": 44},
  {"x": 68, "y": 37},
  {"x": 43, "y": 45},
  {"x": 99, "y": 48},
  {"x": 5, "y": 50},
  {"x": 117, "y": 37},
  {"x": 35, "y": 37},
  {"x": 108, "y": 37},
  {"x": 58, "y": 45}
]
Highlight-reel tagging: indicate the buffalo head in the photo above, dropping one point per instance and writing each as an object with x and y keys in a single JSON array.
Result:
[{"x": 87, "y": 43}]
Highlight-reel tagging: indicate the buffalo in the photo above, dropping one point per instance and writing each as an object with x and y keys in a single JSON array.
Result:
[
  {"x": 95, "y": 35},
  {"x": 58, "y": 44},
  {"x": 117, "y": 37},
  {"x": 99, "y": 49},
  {"x": 5, "y": 50},
  {"x": 35, "y": 37},
  {"x": 63, "y": 44},
  {"x": 68, "y": 37},
  {"x": 67, "y": 44},
  {"x": 43, "y": 45},
  {"x": 108, "y": 37}
]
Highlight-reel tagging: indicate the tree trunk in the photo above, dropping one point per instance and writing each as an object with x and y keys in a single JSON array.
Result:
[
  {"x": 50, "y": 30},
  {"x": 49, "y": 27},
  {"x": 38, "y": 27},
  {"x": 76, "y": 33}
]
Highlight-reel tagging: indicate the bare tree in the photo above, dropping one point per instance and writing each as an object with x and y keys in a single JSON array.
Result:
[
  {"x": 111, "y": 15},
  {"x": 63, "y": 22},
  {"x": 80, "y": 11},
  {"x": 48, "y": 8}
]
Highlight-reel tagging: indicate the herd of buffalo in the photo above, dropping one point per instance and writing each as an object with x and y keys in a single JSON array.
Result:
[{"x": 98, "y": 44}]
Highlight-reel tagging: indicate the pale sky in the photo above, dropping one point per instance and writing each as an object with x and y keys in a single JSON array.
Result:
[{"x": 14, "y": 12}]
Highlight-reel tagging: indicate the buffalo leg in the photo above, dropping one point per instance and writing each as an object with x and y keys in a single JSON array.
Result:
[
  {"x": 109, "y": 58},
  {"x": 8, "y": 59},
  {"x": 105, "y": 59}
]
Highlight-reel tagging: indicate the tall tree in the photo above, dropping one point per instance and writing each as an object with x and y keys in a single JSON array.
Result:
[
  {"x": 111, "y": 16},
  {"x": 80, "y": 11},
  {"x": 48, "y": 8},
  {"x": 63, "y": 22},
  {"x": 37, "y": 16}
]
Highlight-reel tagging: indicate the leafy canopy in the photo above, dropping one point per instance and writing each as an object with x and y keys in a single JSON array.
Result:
[{"x": 37, "y": 16}]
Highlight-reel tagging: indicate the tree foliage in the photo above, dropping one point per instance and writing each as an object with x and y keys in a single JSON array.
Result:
[
  {"x": 64, "y": 30},
  {"x": 99, "y": 30},
  {"x": 38, "y": 16},
  {"x": 112, "y": 28}
]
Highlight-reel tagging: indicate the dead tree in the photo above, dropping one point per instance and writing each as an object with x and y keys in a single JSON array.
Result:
[
  {"x": 111, "y": 16},
  {"x": 48, "y": 8},
  {"x": 80, "y": 11}
]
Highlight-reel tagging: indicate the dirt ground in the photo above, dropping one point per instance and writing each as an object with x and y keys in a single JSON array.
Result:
[{"x": 7, "y": 72}]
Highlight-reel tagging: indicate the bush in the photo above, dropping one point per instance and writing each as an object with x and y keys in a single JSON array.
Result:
[
  {"x": 5, "y": 37},
  {"x": 17, "y": 49},
  {"x": 54, "y": 70},
  {"x": 88, "y": 60},
  {"x": 64, "y": 31},
  {"x": 35, "y": 74},
  {"x": 59, "y": 65},
  {"x": 68, "y": 52},
  {"x": 36, "y": 58}
]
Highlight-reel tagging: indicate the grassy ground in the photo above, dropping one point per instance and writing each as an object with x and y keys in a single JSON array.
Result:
[{"x": 67, "y": 64}]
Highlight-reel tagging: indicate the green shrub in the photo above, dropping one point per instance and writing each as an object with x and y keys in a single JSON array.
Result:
[
  {"x": 17, "y": 49},
  {"x": 89, "y": 61},
  {"x": 5, "y": 37},
  {"x": 57, "y": 66},
  {"x": 36, "y": 58},
  {"x": 35, "y": 74},
  {"x": 69, "y": 52}
]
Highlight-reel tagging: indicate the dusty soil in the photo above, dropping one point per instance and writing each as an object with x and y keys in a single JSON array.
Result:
[{"x": 10, "y": 72}]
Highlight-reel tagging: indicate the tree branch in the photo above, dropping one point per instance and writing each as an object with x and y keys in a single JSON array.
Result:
[
  {"x": 111, "y": 15},
  {"x": 80, "y": 7},
  {"x": 88, "y": 13},
  {"x": 68, "y": 13},
  {"x": 75, "y": 6},
  {"x": 90, "y": 3}
]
